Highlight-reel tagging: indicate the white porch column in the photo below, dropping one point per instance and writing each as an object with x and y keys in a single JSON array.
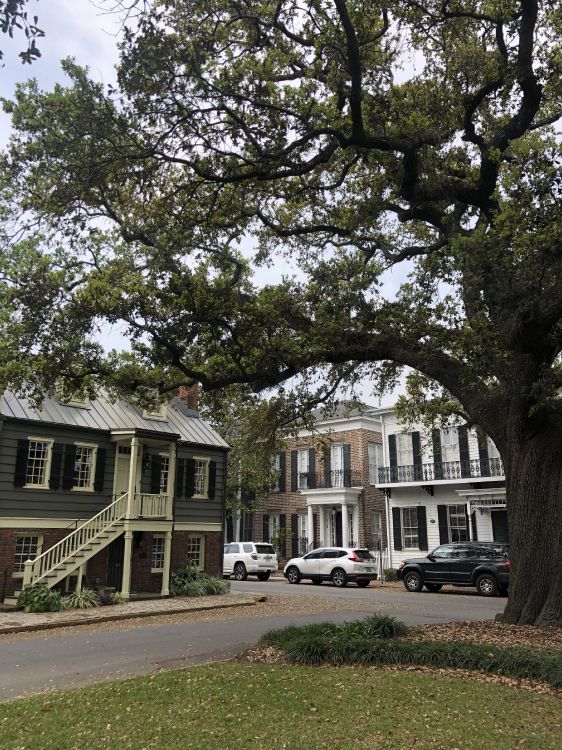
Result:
[
  {"x": 132, "y": 476},
  {"x": 344, "y": 525},
  {"x": 322, "y": 513},
  {"x": 356, "y": 524},
  {"x": 80, "y": 576},
  {"x": 127, "y": 555},
  {"x": 165, "y": 591},
  {"x": 171, "y": 487},
  {"x": 310, "y": 525}
]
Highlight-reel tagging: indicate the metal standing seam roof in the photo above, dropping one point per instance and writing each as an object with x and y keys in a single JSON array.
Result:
[{"x": 106, "y": 415}]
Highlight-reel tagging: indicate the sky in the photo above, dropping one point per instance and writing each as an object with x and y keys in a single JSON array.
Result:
[{"x": 86, "y": 31}]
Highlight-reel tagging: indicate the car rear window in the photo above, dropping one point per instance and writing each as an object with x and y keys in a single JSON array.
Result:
[
  {"x": 363, "y": 554},
  {"x": 265, "y": 549}
]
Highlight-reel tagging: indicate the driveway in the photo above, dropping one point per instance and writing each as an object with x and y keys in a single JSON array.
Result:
[{"x": 77, "y": 656}]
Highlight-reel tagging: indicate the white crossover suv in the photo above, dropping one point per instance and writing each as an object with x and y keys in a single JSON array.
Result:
[
  {"x": 337, "y": 564},
  {"x": 242, "y": 559}
]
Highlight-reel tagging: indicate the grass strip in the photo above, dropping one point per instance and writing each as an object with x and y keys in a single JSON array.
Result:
[{"x": 359, "y": 642}]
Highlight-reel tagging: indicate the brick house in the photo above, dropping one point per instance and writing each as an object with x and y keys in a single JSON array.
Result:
[
  {"x": 107, "y": 494},
  {"x": 325, "y": 494}
]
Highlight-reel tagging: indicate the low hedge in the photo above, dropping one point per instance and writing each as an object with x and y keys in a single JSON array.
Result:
[{"x": 362, "y": 642}]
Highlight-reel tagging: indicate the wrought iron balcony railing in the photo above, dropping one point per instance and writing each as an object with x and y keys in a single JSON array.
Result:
[
  {"x": 329, "y": 479},
  {"x": 442, "y": 470}
]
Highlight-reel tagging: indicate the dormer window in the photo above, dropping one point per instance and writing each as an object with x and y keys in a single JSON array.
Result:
[{"x": 160, "y": 412}]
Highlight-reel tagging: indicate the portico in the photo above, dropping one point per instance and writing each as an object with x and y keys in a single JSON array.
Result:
[{"x": 338, "y": 515}]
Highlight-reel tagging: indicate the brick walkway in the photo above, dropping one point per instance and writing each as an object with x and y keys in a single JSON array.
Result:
[{"x": 16, "y": 622}]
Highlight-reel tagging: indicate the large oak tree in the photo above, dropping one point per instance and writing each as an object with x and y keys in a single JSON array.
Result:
[{"x": 349, "y": 138}]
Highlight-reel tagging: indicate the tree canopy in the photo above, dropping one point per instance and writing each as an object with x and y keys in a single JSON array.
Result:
[
  {"x": 14, "y": 18},
  {"x": 346, "y": 138}
]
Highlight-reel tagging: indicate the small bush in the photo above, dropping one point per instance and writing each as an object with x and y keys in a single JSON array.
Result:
[
  {"x": 390, "y": 574},
  {"x": 190, "y": 581},
  {"x": 39, "y": 598},
  {"x": 84, "y": 599}
]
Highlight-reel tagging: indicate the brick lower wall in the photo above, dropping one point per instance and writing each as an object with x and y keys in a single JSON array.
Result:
[
  {"x": 8, "y": 549},
  {"x": 212, "y": 562}
]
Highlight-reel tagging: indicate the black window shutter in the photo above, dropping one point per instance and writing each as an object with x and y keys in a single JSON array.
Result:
[
  {"x": 327, "y": 468},
  {"x": 180, "y": 470},
  {"x": 155, "y": 474},
  {"x": 283, "y": 527},
  {"x": 294, "y": 535},
  {"x": 56, "y": 466},
  {"x": 20, "y": 473},
  {"x": 392, "y": 459},
  {"x": 69, "y": 467},
  {"x": 437, "y": 454},
  {"x": 347, "y": 465},
  {"x": 464, "y": 455},
  {"x": 294, "y": 470},
  {"x": 212, "y": 480},
  {"x": 396, "y": 528},
  {"x": 101, "y": 454},
  {"x": 265, "y": 528},
  {"x": 422, "y": 527},
  {"x": 283, "y": 472},
  {"x": 443, "y": 524},
  {"x": 311, "y": 469},
  {"x": 417, "y": 455},
  {"x": 189, "y": 477},
  {"x": 483, "y": 454}
]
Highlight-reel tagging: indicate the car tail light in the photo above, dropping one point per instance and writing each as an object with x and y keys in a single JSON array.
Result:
[
  {"x": 254, "y": 556},
  {"x": 353, "y": 557},
  {"x": 507, "y": 564}
]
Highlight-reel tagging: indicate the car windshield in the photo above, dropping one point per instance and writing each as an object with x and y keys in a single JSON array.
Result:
[
  {"x": 265, "y": 549},
  {"x": 363, "y": 554}
]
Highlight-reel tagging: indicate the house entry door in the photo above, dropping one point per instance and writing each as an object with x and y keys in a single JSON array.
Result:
[
  {"x": 116, "y": 551},
  {"x": 339, "y": 535},
  {"x": 499, "y": 526}
]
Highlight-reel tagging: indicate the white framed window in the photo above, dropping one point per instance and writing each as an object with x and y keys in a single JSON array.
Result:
[
  {"x": 458, "y": 531},
  {"x": 337, "y": 465},
  {"x": 28, "y": 546},
  {"x": 409, "y": 517},
  {"x": 160, "y": 412},
  {"x": 377, "y": 529},
  {"x": 404, "y": 449},
  {"x": 164, "y": 471},
  {"x": 158, "y": 541},
  {"x": 303, "y": 468},
  {"x": 38, "y": 462},
  {"x": 449, "y": 444},
  {"x": 201, "y": 477},
  {"x": 84, "y": 467},
  {"x": 196, "y": 550},
  {"x": 375, "y": 461},
  {"x": 274, "y": 525}
]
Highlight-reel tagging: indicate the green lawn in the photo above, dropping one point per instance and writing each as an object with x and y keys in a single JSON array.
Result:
[{"x": 241, "y": 707}]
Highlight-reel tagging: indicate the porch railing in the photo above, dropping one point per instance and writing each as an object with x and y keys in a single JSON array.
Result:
[
  {"x": 442, "y": 470},
  {"x": 151, "y": 506},
  {"x": 329, "y": 479}
]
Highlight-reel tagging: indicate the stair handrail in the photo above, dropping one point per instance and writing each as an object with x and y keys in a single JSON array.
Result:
[{"x": 70, "y": 544}]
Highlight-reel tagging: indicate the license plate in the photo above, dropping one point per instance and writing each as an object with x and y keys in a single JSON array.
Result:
[
  {"x": 268, "y": 557},
  {"x": 368, "y": 569}
]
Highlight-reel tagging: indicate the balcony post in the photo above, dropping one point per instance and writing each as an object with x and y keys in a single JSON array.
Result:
[
  {"x": 344, "y": 525},
  {"x": 132, "y": 475}
]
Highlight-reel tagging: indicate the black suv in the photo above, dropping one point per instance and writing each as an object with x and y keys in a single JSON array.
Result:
[{"x": 481, "y": 564}]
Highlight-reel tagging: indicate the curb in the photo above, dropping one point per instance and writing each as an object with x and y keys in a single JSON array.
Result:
[{"x": 114, "y": 618}]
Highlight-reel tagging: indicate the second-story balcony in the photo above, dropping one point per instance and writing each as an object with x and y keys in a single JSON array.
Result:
[
  {"x": 442, "y": 471},
  {"x": 328, "y": 479}
]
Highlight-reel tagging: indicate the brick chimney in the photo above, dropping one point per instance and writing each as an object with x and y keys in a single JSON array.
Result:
[{"x": 190, "y": 396}]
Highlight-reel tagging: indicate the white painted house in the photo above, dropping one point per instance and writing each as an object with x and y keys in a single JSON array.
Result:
[{"x": 440, "y": 487}]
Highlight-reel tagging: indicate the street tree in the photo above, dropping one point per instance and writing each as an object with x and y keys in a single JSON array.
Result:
[
  {"x": 15, "y": 19},
  {"x": 352, "y": 140}
]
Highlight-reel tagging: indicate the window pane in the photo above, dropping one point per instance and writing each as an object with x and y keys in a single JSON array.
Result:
[
  {"x": 37, "y": 459},
  {"x": 410, "y": 527},
  {"x": 164, "y": 471},
  {"x": 194, "y": 550},
  {"x": 158, "y": 552},
  {"x": 26, "y": 549},
  {"x": 201, "y": 477},
  {"x": 83, "y": 466},
  {"x": 457, "y": 523}
]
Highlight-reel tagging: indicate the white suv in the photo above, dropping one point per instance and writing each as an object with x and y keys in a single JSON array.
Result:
[
  {"x": 336, "y": 564},
  {"x": 242, "y": 559}
]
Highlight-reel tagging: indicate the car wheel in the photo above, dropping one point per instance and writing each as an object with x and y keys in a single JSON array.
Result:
[
  {"x": 263, "y": 576},
  {"x": 240, "y": 572},
  {"x": 317, "y": 581},
  {"x": 433, "y": 587},
  {"x": 486, "y": 585},
  {"x": 293, "y": 574},
  {"x": 363, "y": 583},
  {"x": 339, "y": 578},
  {"x": 413, "y": 581}
]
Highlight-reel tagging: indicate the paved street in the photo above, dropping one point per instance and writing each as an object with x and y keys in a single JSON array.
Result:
[{"x": 45, "y": 661}]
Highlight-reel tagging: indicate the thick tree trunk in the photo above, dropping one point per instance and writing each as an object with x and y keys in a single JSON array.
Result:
[{"x": 533, "y": 465}]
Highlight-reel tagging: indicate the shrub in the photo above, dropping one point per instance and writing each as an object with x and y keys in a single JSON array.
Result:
[
  {"x": 84, "y": 599},
  {"x": 390, "y": 574},
  {"x": 39, "y": 598},
  {"x": 190, "y": 581}
]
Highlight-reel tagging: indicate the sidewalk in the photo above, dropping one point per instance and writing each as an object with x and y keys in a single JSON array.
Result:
[{"x": 19, "y": 622}]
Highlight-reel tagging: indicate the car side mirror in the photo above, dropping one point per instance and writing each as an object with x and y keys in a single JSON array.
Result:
[{"x": 430, "y": 557}]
